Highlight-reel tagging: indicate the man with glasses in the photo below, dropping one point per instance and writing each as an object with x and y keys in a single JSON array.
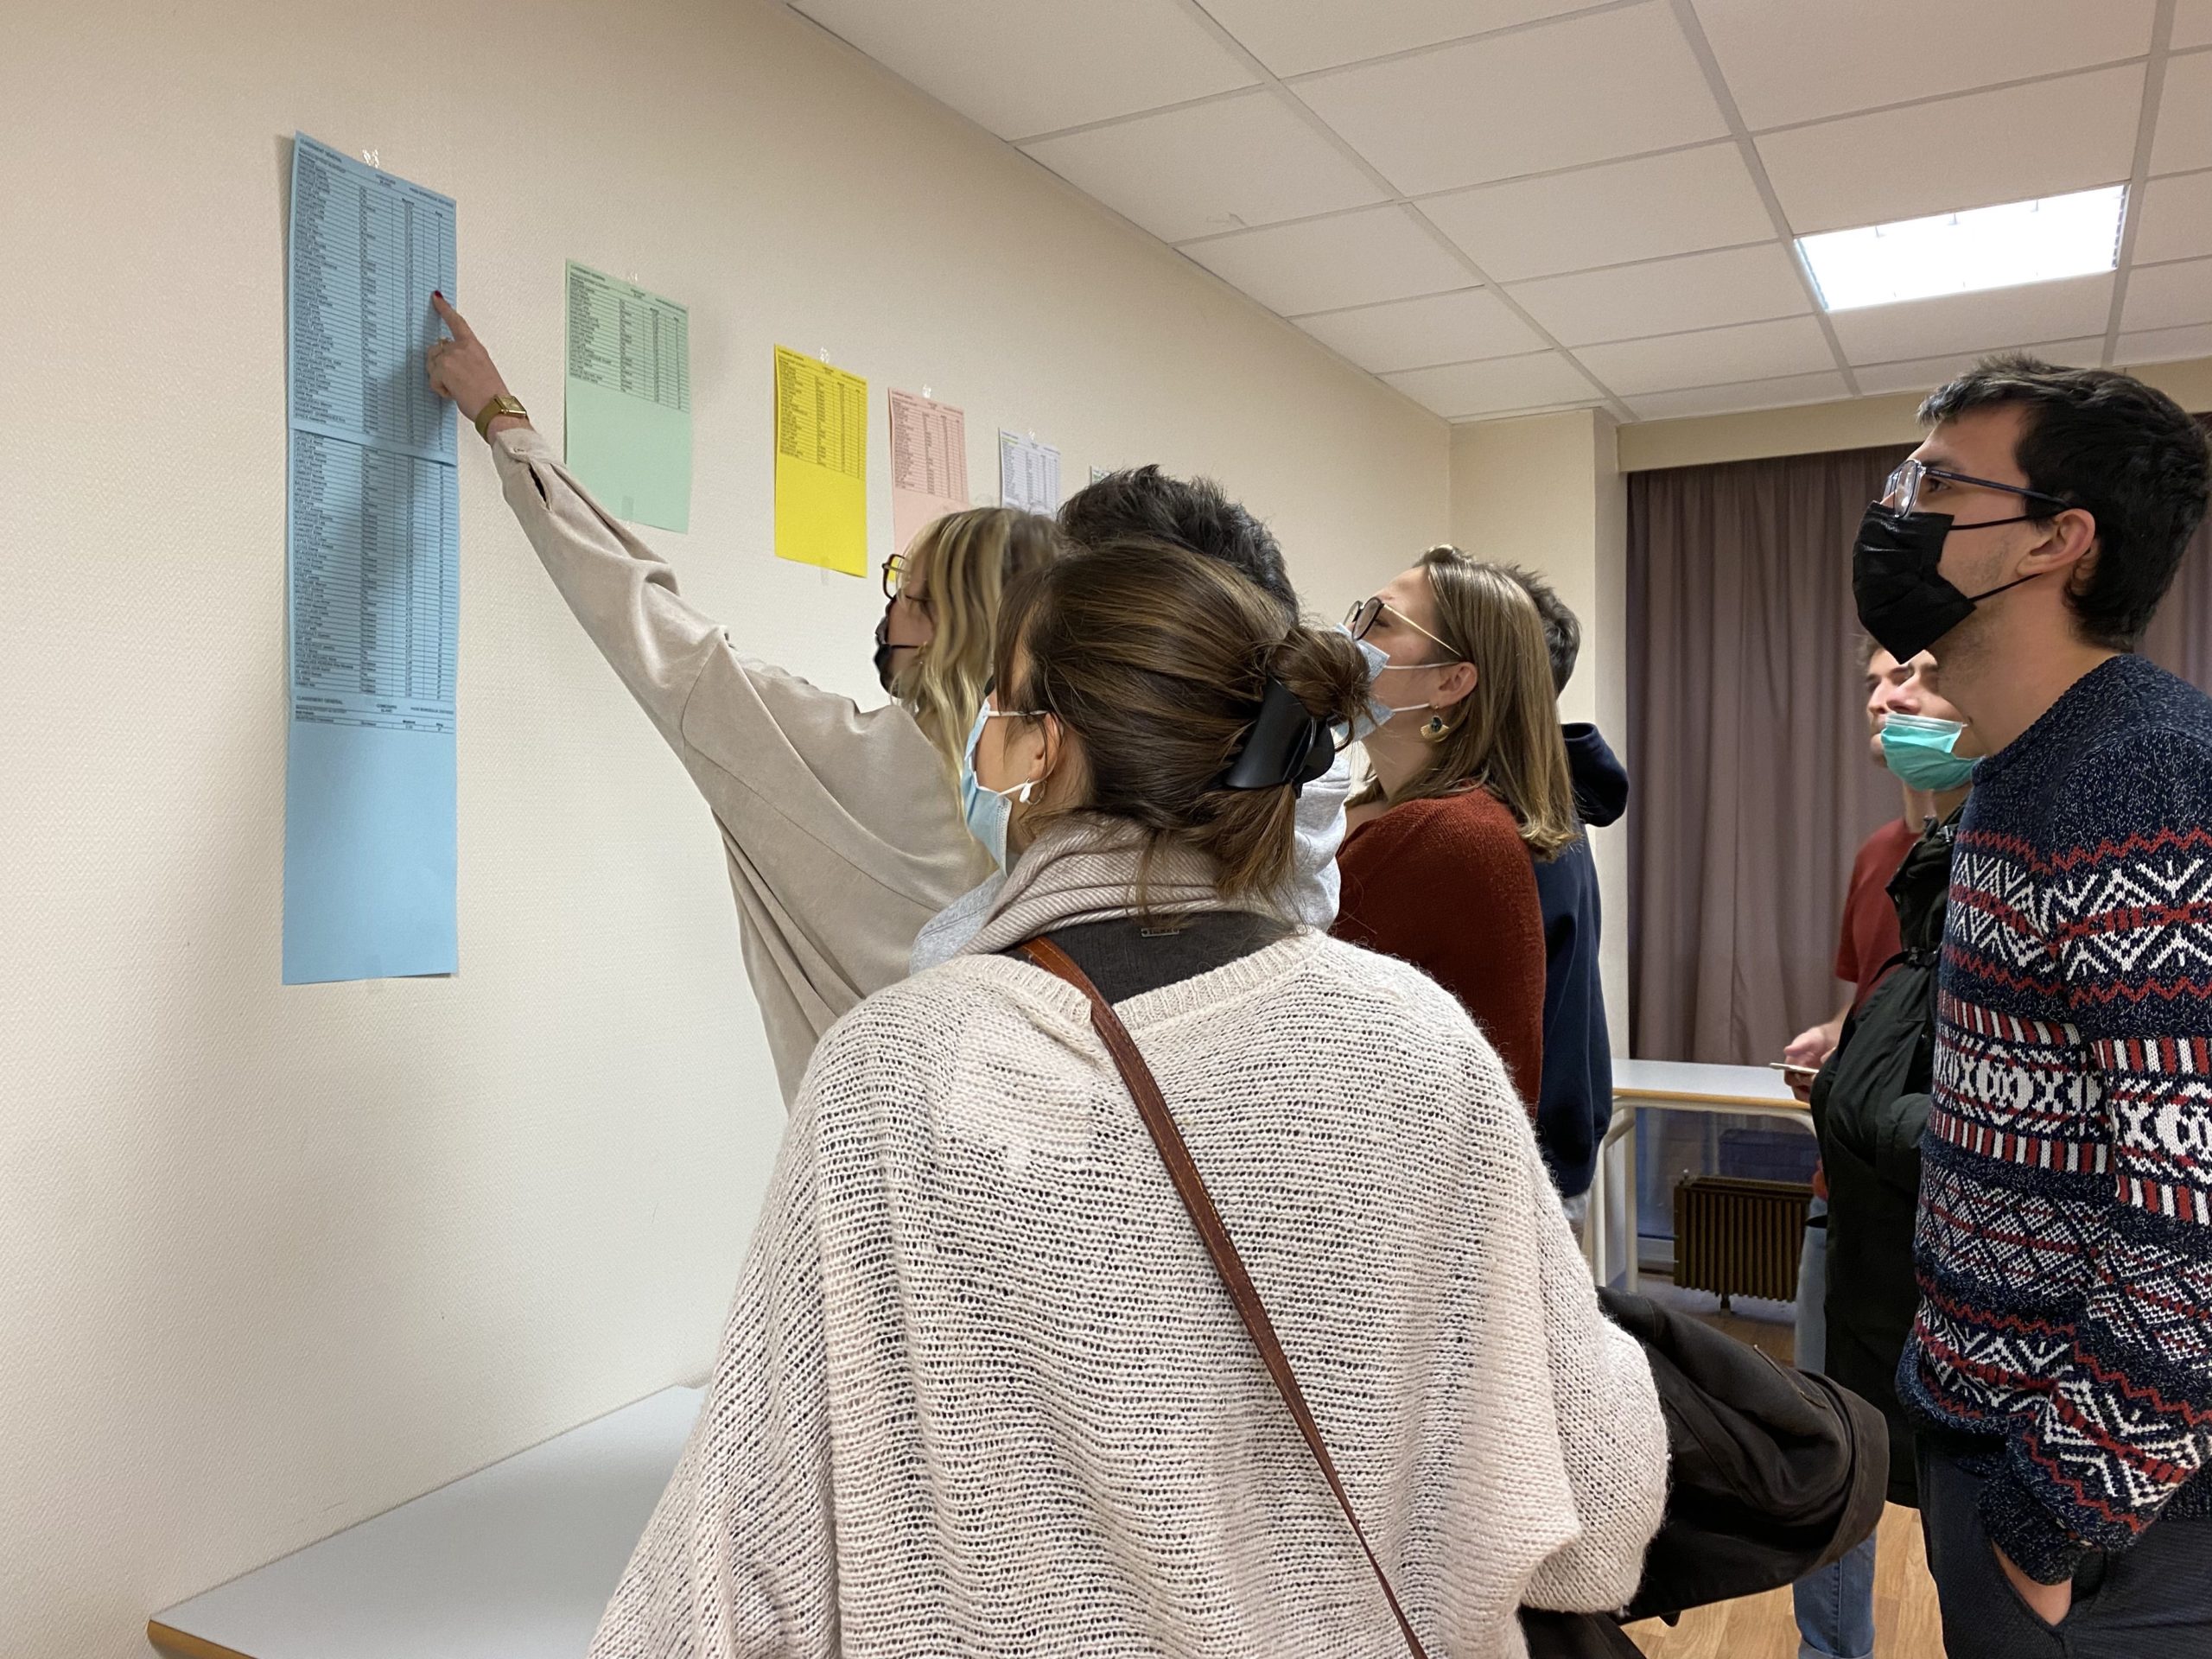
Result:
[{"x": 2061, "y": 1362}]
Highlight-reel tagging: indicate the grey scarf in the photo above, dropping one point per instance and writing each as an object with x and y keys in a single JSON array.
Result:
[
  {"x": 1085, "y": 869},
  {"x": 1309, "y": 896}
]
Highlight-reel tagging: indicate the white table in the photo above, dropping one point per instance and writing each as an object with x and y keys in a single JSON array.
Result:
[
  {"x": 1678, "y": 1086},
  {"x": 515, "y": 1561}
]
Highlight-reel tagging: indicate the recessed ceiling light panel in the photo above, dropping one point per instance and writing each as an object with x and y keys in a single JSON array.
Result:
[{"x": 2038, "y": 241}]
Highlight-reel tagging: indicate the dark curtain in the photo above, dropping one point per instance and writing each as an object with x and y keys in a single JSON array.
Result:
[
  {"x": 1748, "y": 742},
  {"x": 2180, "y": 635}
]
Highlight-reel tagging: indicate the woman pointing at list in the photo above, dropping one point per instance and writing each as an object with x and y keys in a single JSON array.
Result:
[{"x": 841, "y": 826}]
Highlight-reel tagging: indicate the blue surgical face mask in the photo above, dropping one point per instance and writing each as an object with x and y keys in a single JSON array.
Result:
[
  {"x": 987, "y": 811},
  {"x": 1917, "y": 751}
]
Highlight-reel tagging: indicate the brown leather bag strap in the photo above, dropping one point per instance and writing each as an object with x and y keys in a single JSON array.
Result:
[{"x": 1153, "y": 1109}]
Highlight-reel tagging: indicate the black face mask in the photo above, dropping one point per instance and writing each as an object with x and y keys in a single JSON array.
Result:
[
  {"x": 883, "y": 673},
  {"x": 1904, "y": 602}
]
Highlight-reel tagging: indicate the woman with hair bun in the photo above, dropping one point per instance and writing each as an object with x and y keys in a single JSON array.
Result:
[{"x": 1157, "y": 1275}]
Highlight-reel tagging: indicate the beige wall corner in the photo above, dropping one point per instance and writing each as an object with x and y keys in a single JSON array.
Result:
[{"x": 1548, "y": 493}]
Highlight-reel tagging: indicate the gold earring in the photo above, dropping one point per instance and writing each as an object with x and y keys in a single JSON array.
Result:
[{"x": 1433, "y": 729}]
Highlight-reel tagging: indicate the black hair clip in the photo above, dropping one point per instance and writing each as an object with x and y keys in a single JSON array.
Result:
[{"x": 1287, "y": 744}]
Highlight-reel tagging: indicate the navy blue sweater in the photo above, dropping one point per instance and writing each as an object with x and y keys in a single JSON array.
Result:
[
  {"x": 1576, "y": 1101},
  {"x": 2064, "y": 1250}
]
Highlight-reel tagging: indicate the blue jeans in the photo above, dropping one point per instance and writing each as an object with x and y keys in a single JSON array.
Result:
[{"x": 1835, "y": 1605}]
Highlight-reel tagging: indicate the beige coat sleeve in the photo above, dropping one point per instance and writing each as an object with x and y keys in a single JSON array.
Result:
[{"x": 841, "y": 825}]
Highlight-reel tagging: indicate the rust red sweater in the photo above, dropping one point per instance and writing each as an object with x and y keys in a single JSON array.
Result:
[{"x": 1448, "y": 885}]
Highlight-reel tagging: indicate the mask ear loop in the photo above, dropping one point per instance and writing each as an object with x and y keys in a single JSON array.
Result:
[
  {"x": 1988, "y": 524},
  {"x": 1952, "y": 527},
  {"x": 1027, "y": 788},
  {"x": 2003, "y": 587},
  {"x": 984, "y": 716}
]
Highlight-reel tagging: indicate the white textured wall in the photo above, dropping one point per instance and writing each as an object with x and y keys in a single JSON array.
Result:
[{"x": 272, "y": 1260}]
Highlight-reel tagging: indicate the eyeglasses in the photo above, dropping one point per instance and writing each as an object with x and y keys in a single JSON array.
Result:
[
  {"x": 896, "y": 569},
  {"x": 1903, "y": 490},
  {"x": 989, "y": 713},
  {"x": 1363, "y": 616}
]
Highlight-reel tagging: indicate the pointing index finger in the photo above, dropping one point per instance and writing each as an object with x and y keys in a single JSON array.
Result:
[{"x": 453, "y": 319}]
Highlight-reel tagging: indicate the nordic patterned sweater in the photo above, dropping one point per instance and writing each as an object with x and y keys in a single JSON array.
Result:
[{"x": 2064, "y": 1247}]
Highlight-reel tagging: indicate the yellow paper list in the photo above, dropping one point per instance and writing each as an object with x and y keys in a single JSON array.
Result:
[{"x": 821, "y": 464}]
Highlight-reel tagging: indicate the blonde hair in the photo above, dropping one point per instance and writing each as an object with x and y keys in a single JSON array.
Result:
[
  {"x": 968, "y": 561},
  {"x": 1504, "y": 735}
]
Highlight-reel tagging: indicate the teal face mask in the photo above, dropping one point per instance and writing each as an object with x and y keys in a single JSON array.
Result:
[{"x": 1917, "y": 751}]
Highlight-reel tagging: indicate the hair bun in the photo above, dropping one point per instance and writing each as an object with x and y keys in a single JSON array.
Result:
[{"x": 1325, "y": 671}]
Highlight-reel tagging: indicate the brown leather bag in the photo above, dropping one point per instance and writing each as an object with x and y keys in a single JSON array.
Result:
[{"x": 1153, "y": 1109}]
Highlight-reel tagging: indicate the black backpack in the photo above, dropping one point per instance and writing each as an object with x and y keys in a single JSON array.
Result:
[
  {"x": 1870, "y": 1105},
  {"x": 1771, "y": 1474}
]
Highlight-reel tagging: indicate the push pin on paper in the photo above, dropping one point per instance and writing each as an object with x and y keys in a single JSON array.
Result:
[
  {"x": 926, "y": 396},
  {"x": 373, "y": 157}
]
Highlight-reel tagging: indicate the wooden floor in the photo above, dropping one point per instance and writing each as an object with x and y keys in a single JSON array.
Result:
[
  {"x": 1906, "y": 1623},
  {"x": 1765, "y": 1627}
]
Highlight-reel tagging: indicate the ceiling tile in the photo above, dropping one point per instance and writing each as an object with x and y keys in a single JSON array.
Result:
[
  {"x": 1222, "y": 166},
  {"x": 1292, "y": 37},
  {"x": 1410, "y": 334},
  {"x": 2165, "y": 345},
  {"x": 1669, "y": 297},
  {"x": 1957, "y": 323},
  {"x": 2167, "y": 296},
  {"x": 1321, "y": 264},
  {"x": 1750, "y": 394},
  {"x": 2192, "y": 24},
  {"x": 1752, "y": 351},
  {"x": 1587, "y": 89},
  {"x": 1924, "y": 374},
  {"x": 1871, "y": 169},
  {"x": 1788, "y": 63},
  {"x": 2174, "y": 220},
  {"x": 2184, "y": 136},
  {"x": 1642, "y": 209},
  {"x": 1516, "y": 383},
  {"x": 1020, "y": 69}
]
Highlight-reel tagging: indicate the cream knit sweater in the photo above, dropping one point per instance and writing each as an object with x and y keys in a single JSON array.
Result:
[{"x": 980, "y": 1394}]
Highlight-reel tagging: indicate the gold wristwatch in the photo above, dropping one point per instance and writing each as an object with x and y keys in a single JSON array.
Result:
[{"x": 503, "y": 404}]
